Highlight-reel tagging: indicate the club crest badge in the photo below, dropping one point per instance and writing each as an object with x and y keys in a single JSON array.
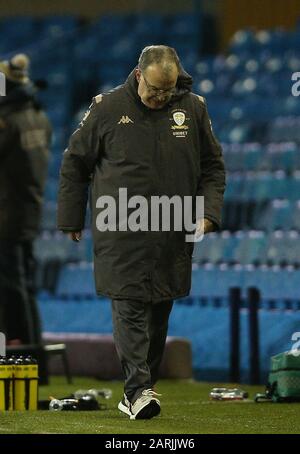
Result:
[{"x": 179, "y": 120}]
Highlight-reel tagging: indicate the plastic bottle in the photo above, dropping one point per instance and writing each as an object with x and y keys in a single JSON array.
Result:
[
  {"x": 96, "y": 393},
  {"x": 63, "y": 404},
  {"x": 11, "y": 361},
  {"x": 228, "y": 394},
  {"x": 85, "y": 403},
  {"x": 32, "y": 384},
  {"x": 6, "y": 388},
  {"x": 20, "y": 394},
  {"x": 25, "y": 384}
]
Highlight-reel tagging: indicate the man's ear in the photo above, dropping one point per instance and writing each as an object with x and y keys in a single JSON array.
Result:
[{"x": 138, "y": 74}]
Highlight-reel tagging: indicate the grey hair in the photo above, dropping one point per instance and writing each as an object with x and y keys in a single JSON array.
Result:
[{"x": 167, "y": 56}]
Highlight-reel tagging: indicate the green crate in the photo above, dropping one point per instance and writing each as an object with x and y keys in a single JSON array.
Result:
[{"x": 284, "y": 377}]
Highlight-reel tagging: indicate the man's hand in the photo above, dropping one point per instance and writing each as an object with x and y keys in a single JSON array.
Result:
[
  {"x": 208, "y": 226},
  {"x": 75, "y": 236},
  {"x": 204, "y": 226}
]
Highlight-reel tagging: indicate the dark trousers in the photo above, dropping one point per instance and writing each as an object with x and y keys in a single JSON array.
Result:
[
  {"x": 19, "y": 317},
  {"x": 140, "y": 331}
]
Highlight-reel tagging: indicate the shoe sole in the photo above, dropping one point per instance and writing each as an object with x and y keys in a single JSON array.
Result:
[
  {"x": 124, "y": 409},
  {"x": 148, "y": 412}
]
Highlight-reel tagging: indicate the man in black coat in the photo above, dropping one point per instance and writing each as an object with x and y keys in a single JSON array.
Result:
[
  {"x": 24, "y": 140},
  {"x": 150, "y": 137}
]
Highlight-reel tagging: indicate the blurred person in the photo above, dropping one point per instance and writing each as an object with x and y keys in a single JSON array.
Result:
[
  {"x": 24, "y": 140},
  {"x": 153, "y": 136}
]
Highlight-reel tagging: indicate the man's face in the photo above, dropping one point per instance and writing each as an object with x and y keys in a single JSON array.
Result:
[{"x": 156, "y": 87}]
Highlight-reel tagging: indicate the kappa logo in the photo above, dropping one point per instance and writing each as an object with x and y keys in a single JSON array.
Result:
[{"x": 125, "y": 120}]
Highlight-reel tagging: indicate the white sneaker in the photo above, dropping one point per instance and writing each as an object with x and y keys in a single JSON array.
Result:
[
  {"x": 124, "y": 406},
  {"x": 145, "y": 407}
]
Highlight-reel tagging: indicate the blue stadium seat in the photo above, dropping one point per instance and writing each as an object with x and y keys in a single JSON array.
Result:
[
  {"x": 55, "y": 26},
  {"x": 203, "y": 281},
  {"x": 54, "y": 165},
  {"x": 274, "y": 283},
  {"x": 87, "y": 243},
  {"x": 48, "y": 221},
  {"x": 125, "y": 51},
  {"x": 86, "y": 48},
  {"x": 295, "y": 220},
  {"x": 276, "y": 216},
  {"x": 266, "y": 185},
  {"x": 284, "y": 128},
  {"x": 283, "y": 156},
  {"x": 276, "y": 249},
  {"x": 17, "y": 31},
  {"x": 89, "y": 315},
  {"x": 76, "y": 280},
  {"x": 201, "y": 250},
  {"x": 216, "y": 248},
  {"x": 252, "y": 156},
  {"x": 242, "y": 43},
  {"x": 293, "y": 247},
  {"x": 184, "y": 25},
  {"x": 232, "y": 164},
  {"x": 251, "y": 248},
  {"x": 110, "y": 27},
  {"x": 283, "y": 248},
  {"x": 59, "y": 140},
  {"x": 235, "y": 182},
  {"x": 58, "y": 246},
  {"x": 51, "y": 190},
  {"x": 214, "y": 282},
  {"x": 150, "y": 25},
  {"x": 294, "y": 189},
  {"x": 213, "y": 248},
  {"x": 230, "y": 246}
]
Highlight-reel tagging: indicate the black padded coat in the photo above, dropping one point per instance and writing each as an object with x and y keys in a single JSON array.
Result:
[{"x": 123, "y": 144}]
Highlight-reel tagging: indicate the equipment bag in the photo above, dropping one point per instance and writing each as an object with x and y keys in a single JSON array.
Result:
[{"x": 284, "y": 379}]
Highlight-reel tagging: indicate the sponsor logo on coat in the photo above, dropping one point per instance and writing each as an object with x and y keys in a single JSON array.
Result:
[
  {"x": 179, "y": 126},
  {"x": 125, "y": 120}
]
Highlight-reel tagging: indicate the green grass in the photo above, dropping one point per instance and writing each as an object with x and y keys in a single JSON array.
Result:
[{"x": 186, "y": 409}]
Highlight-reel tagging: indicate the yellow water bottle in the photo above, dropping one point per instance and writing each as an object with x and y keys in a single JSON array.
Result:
[
  {"x": 20, "y": 385},
  {"x": 10, "y": 385},
  {"x": 6, "y": 385},
  {"x": 32, "y": 383}
]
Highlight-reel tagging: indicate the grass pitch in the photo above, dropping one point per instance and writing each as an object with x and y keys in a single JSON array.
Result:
[{"x": 186, "y": 409}]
